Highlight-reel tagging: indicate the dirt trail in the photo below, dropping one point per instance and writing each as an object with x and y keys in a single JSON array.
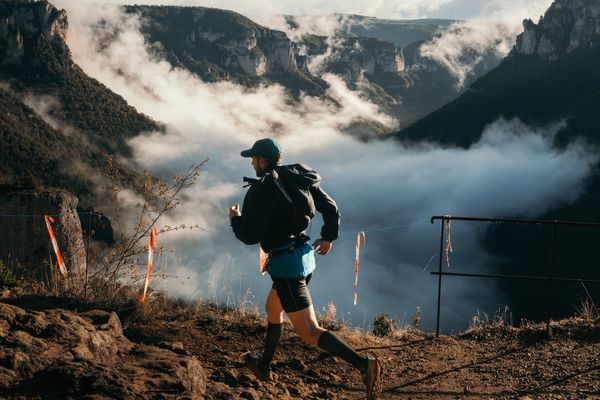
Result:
[
  {"x": 493, "y": 362},
  {"x": 496, "y": 362}
]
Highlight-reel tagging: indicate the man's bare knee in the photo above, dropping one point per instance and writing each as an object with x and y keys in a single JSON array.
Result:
[
  {"x": 311, "y": 335},
  {"x": 306, "y": 325}
]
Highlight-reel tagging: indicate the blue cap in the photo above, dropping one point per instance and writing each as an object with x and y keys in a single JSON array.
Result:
[{"x": 266, "y": 148}]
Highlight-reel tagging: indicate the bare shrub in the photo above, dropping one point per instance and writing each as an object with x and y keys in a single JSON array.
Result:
[{"x": 116, "y": 273}]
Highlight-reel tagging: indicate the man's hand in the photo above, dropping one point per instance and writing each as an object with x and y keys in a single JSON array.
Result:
[
  {"x": 234, "y": 211},
  {"x": 322, "y": 246}
]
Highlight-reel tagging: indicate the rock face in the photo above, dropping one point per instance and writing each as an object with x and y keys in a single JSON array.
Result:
[
  {"x": 219, "y": 41},
  {"x": 361, "y": 55},
  {"x": 261, "y": 51},
  {"x": 59, "y": 353},
  {"x": 25, "y": 236},
  {"x": 219, "y": 45},
  {"x": 567, "y": 25},
  {"x": 357, "y": 60},
  {"x": 25, "y": 25}
]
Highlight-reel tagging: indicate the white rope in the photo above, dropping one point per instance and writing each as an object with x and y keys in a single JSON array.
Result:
[{"x": 448, "y": 219}]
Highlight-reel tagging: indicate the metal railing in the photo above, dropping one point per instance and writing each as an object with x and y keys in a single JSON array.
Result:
[{"x": 550, "y": 278}]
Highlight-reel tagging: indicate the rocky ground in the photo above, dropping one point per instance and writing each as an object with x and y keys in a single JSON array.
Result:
[
  {"x": 57, "y": 348},
  {"x": 58, "y": 353}
]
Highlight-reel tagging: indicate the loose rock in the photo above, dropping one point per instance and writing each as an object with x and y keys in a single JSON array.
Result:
[{"x": 68, "y": 354}]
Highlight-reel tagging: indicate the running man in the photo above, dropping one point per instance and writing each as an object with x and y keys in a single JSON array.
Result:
[{"x": 291, "y": 259}]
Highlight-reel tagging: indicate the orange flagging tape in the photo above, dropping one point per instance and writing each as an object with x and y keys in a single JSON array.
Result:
[
  {"x": 263, "y": 260},
  {"x": 59, "y": 259},
  {"x": 356, "y": 264},
  {"x": 153, "y": 236}
]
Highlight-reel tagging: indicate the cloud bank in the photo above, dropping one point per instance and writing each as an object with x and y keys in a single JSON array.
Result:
[{"x": 463, "y": 47}]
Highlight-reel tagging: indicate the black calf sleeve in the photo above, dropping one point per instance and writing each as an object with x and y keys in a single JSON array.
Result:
[
  {"x": 337, "y": 347},
  {"x": 272, "y": 338}
]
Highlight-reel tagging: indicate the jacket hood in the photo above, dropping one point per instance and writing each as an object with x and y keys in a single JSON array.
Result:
[{"x": 301, "y": 174}]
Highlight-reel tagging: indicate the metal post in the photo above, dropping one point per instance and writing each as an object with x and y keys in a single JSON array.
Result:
[
  {"x": 550, "y": 280},
  {"x": 439, "y": 299}
]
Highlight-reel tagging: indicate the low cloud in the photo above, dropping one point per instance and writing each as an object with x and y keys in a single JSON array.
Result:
[
  {"x": 302, "y": 25},
  {"x": 466, "y": 45},
  {"x": 388, "y": 190}
]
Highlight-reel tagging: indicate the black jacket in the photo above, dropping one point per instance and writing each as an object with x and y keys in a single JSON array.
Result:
[{"x": 262, "y": 219}]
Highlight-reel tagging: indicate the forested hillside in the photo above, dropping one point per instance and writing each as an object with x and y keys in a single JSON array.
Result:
[{"x": 83, "y": 123}]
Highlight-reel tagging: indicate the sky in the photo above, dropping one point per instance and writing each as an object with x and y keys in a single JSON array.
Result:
[
  {"x": 392, "y": 9},
  {"x": 388, "y": 190}
]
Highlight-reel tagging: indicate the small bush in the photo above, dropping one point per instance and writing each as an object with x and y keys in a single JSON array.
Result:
[
  {"x": 383, "y": 325},
  {"x": 7, "y": 278}
]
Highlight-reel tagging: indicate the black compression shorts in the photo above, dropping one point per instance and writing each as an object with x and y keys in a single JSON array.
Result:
[{"x": 293, "y": 293}]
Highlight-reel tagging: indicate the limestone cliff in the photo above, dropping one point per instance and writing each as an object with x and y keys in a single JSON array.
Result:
[
  {"x": 27, "y": 25},
  {"x": 223, "y": 45},
  {"x": 370, "y": 56},
  {"x": 568, "y": 25},
  {"x": 261, "y": 51}
]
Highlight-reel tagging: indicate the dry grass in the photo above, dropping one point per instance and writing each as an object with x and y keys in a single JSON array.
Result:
[
  {"x": 328, "y": 319},
  {"x": 502, "y": 317},
  {"x": 588, "y": 310}
]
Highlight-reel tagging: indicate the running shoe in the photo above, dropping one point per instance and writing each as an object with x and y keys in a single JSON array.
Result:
[
  {"x": 372, "y": 377},
  {"x": 252, "y": 361}
]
